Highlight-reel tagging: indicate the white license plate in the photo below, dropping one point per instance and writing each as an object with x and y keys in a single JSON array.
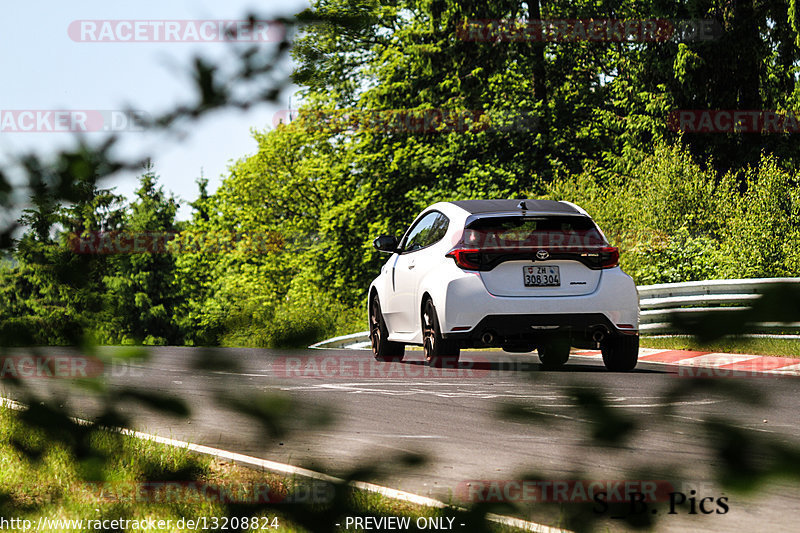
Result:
[{"x": 536, "y": 276}]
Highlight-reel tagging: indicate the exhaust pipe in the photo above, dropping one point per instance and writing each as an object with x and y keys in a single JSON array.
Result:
[
  {"x": 599, "y": 334},
  {"x": 487, "y": 338}
]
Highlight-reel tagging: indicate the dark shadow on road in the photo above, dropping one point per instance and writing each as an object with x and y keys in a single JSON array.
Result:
[{"x": 519, "y": 366}]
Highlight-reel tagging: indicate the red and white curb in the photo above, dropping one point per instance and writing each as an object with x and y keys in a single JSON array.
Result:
[
  {"x": 715, "y": 363},
  {"x": 690, "y": 363}
]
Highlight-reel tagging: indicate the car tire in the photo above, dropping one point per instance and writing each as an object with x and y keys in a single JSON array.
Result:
[
  {"x": 382, "y": 348},
  {"x": 438, "y": 352},
  {"x": 620, "y": 353},
  {"x": 554, "y": 354}
]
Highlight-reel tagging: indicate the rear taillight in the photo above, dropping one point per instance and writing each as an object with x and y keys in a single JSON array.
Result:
[
  {"x": 605, "y": 257},
  {"x": 609, "y": 257},
  {"x": 466, "y": 258},
  {"x": 486, "y": 259}
]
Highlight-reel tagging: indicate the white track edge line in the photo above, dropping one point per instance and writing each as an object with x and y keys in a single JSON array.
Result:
[{"x": 289, "y": 469}]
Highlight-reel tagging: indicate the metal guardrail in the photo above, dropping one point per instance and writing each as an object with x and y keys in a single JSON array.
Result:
[
  {"x": 657, "y": 302},
  {"x": 353, "y": 341}
]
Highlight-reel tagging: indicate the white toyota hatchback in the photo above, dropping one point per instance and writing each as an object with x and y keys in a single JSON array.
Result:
[{"x": 522, "y": 275}]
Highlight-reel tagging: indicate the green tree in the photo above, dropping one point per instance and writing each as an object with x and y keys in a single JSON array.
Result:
[
  {"x": 142, "y": 293},
  {"x": 52, "y": 290}
]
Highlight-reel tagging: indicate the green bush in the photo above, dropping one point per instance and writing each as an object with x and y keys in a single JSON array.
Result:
[
  {"x": 761, "y": 234},
  {"x": 300, "y": 325},
  {"x": 675, "y": 221},
  {"x": 681, "y": 257},
  {"x": 306, "y": 314}
]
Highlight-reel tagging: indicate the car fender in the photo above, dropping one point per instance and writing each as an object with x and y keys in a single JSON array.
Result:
[
  {"x": 433, "y": 286},
  {"x": 622, "y": 297},
  {"x": 379, "y": 284}
]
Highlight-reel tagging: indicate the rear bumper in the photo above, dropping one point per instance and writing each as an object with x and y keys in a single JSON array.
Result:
[
  {"x": 580, "y": 328},
  {"x": 612, "y": 307}
]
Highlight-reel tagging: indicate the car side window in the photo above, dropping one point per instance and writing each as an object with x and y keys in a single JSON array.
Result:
[
  {"x": 438, "y": 229},
  {"x": 427, "y": 231}
]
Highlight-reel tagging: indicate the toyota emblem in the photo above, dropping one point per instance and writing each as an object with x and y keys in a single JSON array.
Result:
[{"x": 542, "y": 254}]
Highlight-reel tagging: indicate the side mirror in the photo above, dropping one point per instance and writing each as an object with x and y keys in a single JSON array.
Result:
[{"x": 386, "y": 243}]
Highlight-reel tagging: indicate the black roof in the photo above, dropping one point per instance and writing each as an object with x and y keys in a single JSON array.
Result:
[{"x": 501, "y": 206}]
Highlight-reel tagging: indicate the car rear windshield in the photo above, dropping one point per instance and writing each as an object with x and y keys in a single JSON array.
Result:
[{"x": 576, "y": 232}]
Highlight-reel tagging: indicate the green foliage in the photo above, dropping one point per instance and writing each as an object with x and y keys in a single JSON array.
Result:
[
  {"x": 141, "y": 292},
  {"x": 583, "y": 121},
  {"x": 762, "y": 231},
  {"x": 57, "y": 292},
  {"x": 304, "y": 315},
  {"x": 675, "y": 221},
  {"x": 293, "y": 324},
  {"x": 680, "y": 207},
  {"x": 682, "y": 258}
]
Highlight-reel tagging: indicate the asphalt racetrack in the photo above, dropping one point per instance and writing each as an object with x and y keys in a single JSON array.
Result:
[{"x": 455, "y": 419}]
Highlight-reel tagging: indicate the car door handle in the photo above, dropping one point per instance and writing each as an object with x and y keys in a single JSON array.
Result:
[{"x": 410, "y": 266}]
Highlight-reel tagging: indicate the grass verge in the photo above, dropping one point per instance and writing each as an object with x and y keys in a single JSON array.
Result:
[
  {"x": 156, "y": 487},
  {"x": 743, "y": 345}
]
